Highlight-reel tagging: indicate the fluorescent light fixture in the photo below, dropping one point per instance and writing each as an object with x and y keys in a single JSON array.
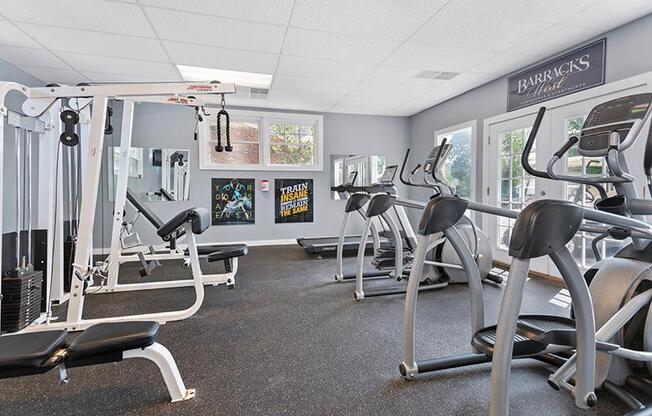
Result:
[{"x": 246, "y": 79}]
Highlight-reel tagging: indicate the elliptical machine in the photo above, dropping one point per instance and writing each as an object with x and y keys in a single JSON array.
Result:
[
  {"x": 441, "y": 266},
  {"x": 442, "y": 251},
  {"x": 615, "y": 294}
]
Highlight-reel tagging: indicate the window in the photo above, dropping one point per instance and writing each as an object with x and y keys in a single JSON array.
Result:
[
  {"x": 576, "y": 165},
  {"x": 265, "y": 141},
  {"x": 245, "y": 139},
  {"x": 292, "y": 143},
  {"x": 517, "y": 188},
  {"x": 457, "y": 169}
]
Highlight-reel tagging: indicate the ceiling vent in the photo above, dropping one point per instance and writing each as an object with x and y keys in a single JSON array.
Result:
[
  {"x": 259, "y": 93},
  {"x": 445, "y": 76},
  {"x": 251, "y": 92}
]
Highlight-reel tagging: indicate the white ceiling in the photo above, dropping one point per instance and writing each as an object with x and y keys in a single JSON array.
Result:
[{"x": 351, "y": 56}]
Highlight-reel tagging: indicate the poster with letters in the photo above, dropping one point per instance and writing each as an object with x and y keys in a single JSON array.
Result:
[
  {"x": 293, "y": 200},
  {"x": 233, "y": 201}
]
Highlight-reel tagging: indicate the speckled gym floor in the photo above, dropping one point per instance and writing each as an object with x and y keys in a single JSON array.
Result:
[{"x": 290, "y": 340}]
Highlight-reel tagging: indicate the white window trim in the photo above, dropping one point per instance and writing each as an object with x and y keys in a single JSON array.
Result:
[
  {"x": 266, "y": 118},
  {"x": 473, "y": 124}
]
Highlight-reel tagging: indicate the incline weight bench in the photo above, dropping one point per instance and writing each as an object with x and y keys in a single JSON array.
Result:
[
  {"x": 150, "y": 257},
  {"x": 39, "y": 352},
  {"x": 193, "y": 221}
]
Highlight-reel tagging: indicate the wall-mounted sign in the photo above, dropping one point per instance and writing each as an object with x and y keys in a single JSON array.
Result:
[
  {"x": 575, "y": 71},
  {"x": 293, "y": 200},
  {"x": 233, "y": 201}
]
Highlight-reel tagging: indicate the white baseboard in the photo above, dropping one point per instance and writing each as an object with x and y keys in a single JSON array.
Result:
[{"x": 252, "y": 243}]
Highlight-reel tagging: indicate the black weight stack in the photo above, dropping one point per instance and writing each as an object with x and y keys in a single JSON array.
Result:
[{"x": 21, "y": 299}]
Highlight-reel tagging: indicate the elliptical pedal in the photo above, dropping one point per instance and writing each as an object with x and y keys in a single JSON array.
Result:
[{"x": 532, "y": 329}]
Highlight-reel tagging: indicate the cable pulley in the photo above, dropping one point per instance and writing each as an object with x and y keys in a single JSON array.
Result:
[
  {"x": 223, "y": 114},
  {"x": 69, "y": 119}
]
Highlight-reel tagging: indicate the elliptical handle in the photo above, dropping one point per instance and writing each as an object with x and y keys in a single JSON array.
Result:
[
  {"x": 572, "y": 141},
  {"x": 405, "y": 159},
  {"x": 433, "y": 171},
  {"x": 528, "y": 147}
]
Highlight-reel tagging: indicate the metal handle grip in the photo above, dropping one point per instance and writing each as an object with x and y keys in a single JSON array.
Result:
[{"x": 528, "y": 147}]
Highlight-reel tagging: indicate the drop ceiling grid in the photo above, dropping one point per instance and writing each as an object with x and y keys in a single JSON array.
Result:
[{"x": 336, "y": 55}]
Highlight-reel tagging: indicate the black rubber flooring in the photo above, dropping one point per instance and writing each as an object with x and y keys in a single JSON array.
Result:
[{"x": 289, "y": 340}]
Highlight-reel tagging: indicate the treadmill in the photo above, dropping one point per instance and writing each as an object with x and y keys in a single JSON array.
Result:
[{"x": 319, "y": 246}]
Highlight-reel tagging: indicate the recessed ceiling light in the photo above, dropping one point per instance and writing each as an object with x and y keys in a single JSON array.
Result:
[{"x": 248, "y": 79}]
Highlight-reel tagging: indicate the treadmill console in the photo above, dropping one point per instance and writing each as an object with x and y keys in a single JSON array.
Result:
[
  {"x": 388, "y": 175},
  {"x": 623, "y": 115},
  {"x": 350, "y": 180}
]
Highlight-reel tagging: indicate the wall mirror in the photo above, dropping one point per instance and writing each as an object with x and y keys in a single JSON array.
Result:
[
  {"x": 154, "y": 174},
  {"x": 369, "y": 167}
]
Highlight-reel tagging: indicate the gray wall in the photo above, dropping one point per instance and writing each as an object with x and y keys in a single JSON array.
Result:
[
  {"x": 9, "y": 72},
  {"x": 157, "y": 125},
  {"x": 626, "y": 57}
]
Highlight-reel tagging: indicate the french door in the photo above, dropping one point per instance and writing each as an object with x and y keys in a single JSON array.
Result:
[{"x": 508, "y": 186}]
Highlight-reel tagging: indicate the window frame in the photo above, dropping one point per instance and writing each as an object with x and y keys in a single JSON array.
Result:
[
  {"x": 265, "y": 119},
  {"x": 473, "y": 125}
]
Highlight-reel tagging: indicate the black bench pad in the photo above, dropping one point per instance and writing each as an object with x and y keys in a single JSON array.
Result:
[
  {"x": 228, "y": 252},
  {"x": 199, "y": 219},
  {"x": 29, "y": 350},
  {"x": 142, "y": 207},
  {"x": 113, "y": 337},
  {"x": 206, "y": 250}
]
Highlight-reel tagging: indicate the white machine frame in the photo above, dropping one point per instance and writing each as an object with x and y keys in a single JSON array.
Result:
[
  {"x": 40, "y": 100},
  {"x": 117, "y": 256}
]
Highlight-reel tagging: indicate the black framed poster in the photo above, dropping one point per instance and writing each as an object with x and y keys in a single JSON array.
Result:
[
  {"x": 233, "y": 201},
  {"x": 293, "y": 200}
]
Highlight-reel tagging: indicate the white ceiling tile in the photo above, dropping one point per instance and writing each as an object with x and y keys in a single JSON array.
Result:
[
  {"x": 466, "y": 81},
  {"x": 297, "y": 105},
  {"x": 547, "y": 11},
  {"x": 54, "y": 75},
  {"x": 505, "y": 63},
  {"x": 381, "y": 19},
  {"x": 392, "y": 75},
  {"x": 554, "y": 40},
  {"x": 313, "y": 44},
  {"x": 103, "y": 44},
  {"x": 321, "y": 68},
  {"x": 609, "y": 14},
  {"x": 31, "y": 56},
  {"x": 11, "y": 35},
  {"x": 362, "y": 109},
  {"x": 94, "y": 15},
  {"x": 437, "y": 58},
  {"x": 405, "y": 111},
  {"x": 265, "y": 11},
  {"x": 473, "y": 31},
  {"x": 108, "y": 77},
  {"x": 384, "y": 102},
  {"x": 104, "y": 64},
  {"x": 374, "y": 91},
  {"x": 217, "y": 31},
  {"x": 221, "y": 58},
  {"x": 309, "y": 86},
  {"x": 326, "y": 99}
]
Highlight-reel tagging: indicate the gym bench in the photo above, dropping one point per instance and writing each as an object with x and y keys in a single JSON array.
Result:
[{"x": 39, "y": 352}]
